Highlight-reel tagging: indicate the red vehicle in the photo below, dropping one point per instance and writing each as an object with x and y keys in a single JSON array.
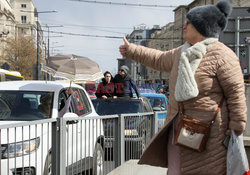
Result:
[{"x": 90, "y": 87}]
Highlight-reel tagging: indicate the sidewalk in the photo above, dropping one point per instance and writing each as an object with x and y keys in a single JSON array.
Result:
[{"x": 132, "y": 168}]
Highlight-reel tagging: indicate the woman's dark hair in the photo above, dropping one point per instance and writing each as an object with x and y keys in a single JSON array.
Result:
[{"x": 107, "y": 72}]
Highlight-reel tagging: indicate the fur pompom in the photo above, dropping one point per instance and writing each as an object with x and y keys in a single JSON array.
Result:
[{"x": 224, "y": 7}]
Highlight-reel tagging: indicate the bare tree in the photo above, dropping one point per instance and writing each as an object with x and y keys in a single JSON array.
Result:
[{"x": 20, "y": 53}]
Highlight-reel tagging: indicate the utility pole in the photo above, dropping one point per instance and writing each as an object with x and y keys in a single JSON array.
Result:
[
  {"x": 248, "y": 54},
  {"x": 48, "y": 55},
  {"x": 237, "y": 36},
  {"x": 48, "y": 40},
  {"x": 37, "y": 50},
  {"x": 37, "y": 36}
]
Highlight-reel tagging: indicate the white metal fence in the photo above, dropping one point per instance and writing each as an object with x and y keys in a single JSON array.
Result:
[{"x": 81, "y": 145}]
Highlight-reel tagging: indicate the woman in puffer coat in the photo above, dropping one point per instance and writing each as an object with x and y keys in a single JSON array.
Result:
[{"x": 202, "y": 71}]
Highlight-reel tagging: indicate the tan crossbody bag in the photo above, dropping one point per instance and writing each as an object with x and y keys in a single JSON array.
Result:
[{"x": 193, "y": 133}]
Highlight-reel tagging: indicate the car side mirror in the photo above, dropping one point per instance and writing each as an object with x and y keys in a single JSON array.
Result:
[{"x": 71, "y": 115}]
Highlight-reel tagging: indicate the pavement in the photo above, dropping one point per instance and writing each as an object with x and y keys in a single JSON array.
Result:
[{"x": 132, "y": 168}]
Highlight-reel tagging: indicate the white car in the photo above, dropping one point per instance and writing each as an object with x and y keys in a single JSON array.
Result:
[{"x": 27, "y": 149}]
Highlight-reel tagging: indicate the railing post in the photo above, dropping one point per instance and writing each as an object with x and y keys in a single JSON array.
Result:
[
  {"x": 155, "y": 123},
  {"x": 58, "y": 150},
  {"x": 122, "y": 153},
  {"x": 117, "y": 142}
]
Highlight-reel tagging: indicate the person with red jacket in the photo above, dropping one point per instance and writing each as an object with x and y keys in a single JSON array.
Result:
[{"x": 105, "y": 88}]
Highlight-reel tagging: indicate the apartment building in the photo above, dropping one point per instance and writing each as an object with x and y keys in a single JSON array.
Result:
[
  {"x": 19, "y": 18},
  {"x": 140, "y": 36},
  {"x": 24, "y": 12},
  {"x": 7, "y": 23},
  {"x": 161, "y": 40}
]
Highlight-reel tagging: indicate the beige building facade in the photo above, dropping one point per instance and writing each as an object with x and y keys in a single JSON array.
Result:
[
  {"x": 19, "y": 18},
  {"x": 25, "y": 17},
  {"x": 7, "y": 24}
]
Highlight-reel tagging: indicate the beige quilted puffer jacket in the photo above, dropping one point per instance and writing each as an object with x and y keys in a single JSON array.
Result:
[{"x": 219, "y": 73}]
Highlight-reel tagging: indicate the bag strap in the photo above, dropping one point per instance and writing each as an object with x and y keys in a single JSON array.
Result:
[
  {"x": 181, "y": 106},
  {"x": 218, "y": 109}
]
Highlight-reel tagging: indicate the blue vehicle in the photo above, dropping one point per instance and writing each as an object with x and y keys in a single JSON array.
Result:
[{"x": 159, "y": 104}]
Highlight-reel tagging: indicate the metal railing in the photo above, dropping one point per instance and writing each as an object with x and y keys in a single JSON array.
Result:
[
  {"x": 93, "y": 145},
  {"x": 24, "y": 146}
]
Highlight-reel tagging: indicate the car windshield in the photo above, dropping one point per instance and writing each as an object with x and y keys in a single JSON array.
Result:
[
  {"x": 158, "y": 103},
  {"x": 110, "y": 107},
  {"x": 25, "y": 105}
]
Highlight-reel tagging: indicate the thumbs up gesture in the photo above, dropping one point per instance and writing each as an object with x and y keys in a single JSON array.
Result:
[{"x": 123, "y": 48}]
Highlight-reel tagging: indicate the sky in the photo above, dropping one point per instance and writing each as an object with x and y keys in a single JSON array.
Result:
[{"x": 77, "y": 19}]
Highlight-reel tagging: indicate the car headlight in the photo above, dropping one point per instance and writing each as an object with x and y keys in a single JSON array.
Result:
[
  {"x": 130, "y": 132},
  {"x": 19, "y": 148}
]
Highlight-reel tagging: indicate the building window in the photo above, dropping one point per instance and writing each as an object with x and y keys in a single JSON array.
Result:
[
  {"x": 23, "y": 5},
  {"x": 23, "y": 31},
  {"x": 138, "y": 37},
  {"x": 23, "y": 19}
]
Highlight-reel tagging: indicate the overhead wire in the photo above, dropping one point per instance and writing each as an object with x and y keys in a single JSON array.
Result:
[
  {"x": 101, "y": 36},
  {"x": 109, "y": 31},
  {"x": 111, "y": 37},
  {"x": 88, "y": 26},
  {"x": 126, "y": 4}
]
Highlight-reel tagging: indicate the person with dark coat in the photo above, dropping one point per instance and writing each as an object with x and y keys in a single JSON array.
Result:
[
  {"x": 105, "y": 88},
  {"x": 124, "y": 84}
]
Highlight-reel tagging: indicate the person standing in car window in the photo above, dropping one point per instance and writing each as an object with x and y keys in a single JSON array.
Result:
[
  {"x": 124, "y": 84},
  {"x": 64, "y": 107},
  {"x": 105, "y": 88}
]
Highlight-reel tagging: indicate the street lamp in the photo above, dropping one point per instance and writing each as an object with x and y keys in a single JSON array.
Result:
[{"x": 37, "y": 36}]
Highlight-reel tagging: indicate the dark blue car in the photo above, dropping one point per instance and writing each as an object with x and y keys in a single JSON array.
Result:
[{"x": 137, "y": 128}]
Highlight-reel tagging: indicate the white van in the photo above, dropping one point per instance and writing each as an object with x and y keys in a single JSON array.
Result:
[{"x": 27, "y": 149}]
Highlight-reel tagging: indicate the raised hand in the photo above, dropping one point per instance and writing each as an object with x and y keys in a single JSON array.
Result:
[{"x": 123, "y": 48}]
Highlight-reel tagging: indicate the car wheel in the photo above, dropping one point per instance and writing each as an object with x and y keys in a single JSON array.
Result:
[
  {"x": 48, "y": 166},
  {"x": 98, "y": 160}
]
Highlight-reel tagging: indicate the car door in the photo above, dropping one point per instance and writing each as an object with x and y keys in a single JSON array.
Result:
[{"x": 82, "y": 134}]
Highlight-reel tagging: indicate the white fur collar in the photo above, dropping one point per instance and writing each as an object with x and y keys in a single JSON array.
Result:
[{"x": 186, "y": 86}]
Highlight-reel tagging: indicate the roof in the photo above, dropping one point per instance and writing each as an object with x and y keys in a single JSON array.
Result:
[
  {"x": 35, "y": 85},
  {"x": 179, "y": 7}
]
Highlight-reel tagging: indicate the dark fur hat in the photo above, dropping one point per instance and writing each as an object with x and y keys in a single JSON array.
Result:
[{"x": 210, "y": 20}]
